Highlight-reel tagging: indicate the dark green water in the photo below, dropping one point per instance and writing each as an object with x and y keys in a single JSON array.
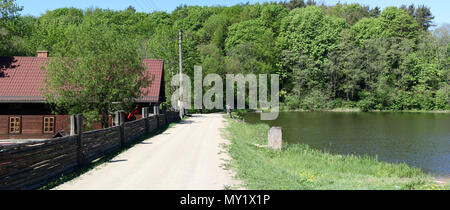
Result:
[{"x": 417, "y": 139}]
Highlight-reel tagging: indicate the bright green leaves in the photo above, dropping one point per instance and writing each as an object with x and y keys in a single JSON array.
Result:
[
  {"x": 392, "y": 23},
  {"x": 99, "y": 66}
]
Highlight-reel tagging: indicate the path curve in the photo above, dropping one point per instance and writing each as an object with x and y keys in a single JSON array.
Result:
[{"x": 187, "y": 156}]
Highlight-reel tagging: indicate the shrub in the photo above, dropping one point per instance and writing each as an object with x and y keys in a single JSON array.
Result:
[{"x": 315, "y": 100}]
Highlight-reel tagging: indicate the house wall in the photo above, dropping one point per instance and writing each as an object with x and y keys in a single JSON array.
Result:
[
  {"x": 32, "y": 126},
  {"x": 32, "y": 121}
]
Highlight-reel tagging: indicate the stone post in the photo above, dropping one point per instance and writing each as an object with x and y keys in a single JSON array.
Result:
[
  {"x": 275, "y": 138},
  {"x": 229, "y": 111}
]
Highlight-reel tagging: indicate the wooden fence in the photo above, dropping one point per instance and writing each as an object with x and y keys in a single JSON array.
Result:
[{"x": 32, "y": 165}]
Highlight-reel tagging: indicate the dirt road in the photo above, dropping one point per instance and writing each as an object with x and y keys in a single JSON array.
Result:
[{"x": 187, "y": 156}]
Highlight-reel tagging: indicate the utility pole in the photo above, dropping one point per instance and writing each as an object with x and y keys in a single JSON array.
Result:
[{"x": 181, "y": 74}]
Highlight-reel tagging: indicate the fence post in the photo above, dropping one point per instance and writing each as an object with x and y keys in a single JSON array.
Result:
[
  {"x": 144, "y": 112},
  {"x": 79, "y": 132},
  {"x": 117, "y": 118},
  {"x": 72, "y": 125},
  {"x": 165, "y": 117},
  {"x": 122, "y": 127},
  {"x": 156, "y": 109},
  {"x": 145, "y": 116},
  {"x": 121, "y": 115}
]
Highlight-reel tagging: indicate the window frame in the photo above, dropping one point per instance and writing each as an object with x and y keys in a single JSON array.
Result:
[
  {"x": 19, "y": 129},
  {"x": 48, "y": 126}
]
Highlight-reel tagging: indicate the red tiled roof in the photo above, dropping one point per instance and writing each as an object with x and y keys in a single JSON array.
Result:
[
  {"x": 154, "y": 72},
  {"x": 21, "y": 80}
]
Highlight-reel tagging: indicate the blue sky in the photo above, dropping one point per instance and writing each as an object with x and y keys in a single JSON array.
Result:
[{"x": 439, "y": 8}]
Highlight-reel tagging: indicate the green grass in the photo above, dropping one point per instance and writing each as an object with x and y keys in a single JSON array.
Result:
[{"x": 298, "y": 166}]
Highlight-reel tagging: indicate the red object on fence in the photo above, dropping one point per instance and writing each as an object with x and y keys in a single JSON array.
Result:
[{"x": 132, "y": 113}]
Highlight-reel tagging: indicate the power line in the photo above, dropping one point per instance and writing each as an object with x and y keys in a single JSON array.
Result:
[
  {"x": 139, "y": 5},
  {"x": 154, "y": 4},
  {"x": 147, "y": 5}
]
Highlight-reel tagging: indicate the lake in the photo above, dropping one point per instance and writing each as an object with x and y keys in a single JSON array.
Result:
[{"x": 417, "y": 139}]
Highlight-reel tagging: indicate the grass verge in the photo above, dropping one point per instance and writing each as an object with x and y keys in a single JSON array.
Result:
[{"x": 299, "y": 167}]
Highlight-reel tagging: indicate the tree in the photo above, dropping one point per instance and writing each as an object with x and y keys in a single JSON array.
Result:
[
  {"x": 309, "y": 34},
  {"x": 8, "y": 10},
  {"x": 397, "y": 23},
  {"x": 392, "y": 23},
  {"x": 52, "y": 28},
  {"x": 251, "y": 44},
  {"x": 353, "y": 13},
  {"x": 131, "y": 8},
  {"x": 367, "y": 28},
  {"x": 375, "y": 12},
  {"x": 326, "y": 56},
  {"x": 346, "y": 70},
  {"x": 294, "y": 4},
  {"x": 271, "y": 15},
  {"x": 8, "y": 14},
  {"x": 421, "y": 14},
  {"x": 424, "y": 17},
  {"x": 101, "y": 65},
  {"x": 214, "y": 30}
]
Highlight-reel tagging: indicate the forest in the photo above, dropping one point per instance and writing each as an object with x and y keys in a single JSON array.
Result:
[{"x": 339, "y": 56}]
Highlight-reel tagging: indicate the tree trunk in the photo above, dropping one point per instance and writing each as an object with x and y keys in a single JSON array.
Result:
[{"x": 104, "y": 120}]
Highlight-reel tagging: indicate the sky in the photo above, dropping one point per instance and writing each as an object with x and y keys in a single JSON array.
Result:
[{"x": 439, "y": 8}]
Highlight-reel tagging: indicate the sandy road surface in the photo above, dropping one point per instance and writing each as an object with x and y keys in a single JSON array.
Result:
[{"x": 187, "y": 156}]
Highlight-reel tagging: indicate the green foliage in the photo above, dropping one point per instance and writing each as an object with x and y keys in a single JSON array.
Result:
[
  {"x": 99, "y": 66},
  {"x": 367, "y": 28},
  {"x": 367, "y": 101},
  {"x": 345, "y": 55},
  {"x": 307, "y": 37},
  {"x": 309, "y": 31},
  {"x": 9, "y": 27},
  {"x": 250, "y": 48},
  {"x": 395, "y": 22},
  {"x": 315, "y": 100}
]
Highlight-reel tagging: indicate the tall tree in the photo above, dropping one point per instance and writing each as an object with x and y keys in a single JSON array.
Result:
[
  {"x": 424, "y": 17},
  {"x": 309, "y": 34},
  {"x": 251, "y": 44},
  {"x": 8, "y": 14},
  {"x": 100, "y": 66}
]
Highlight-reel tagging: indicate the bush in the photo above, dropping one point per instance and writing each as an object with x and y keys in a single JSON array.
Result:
[
  {"x": 292, "y": 101},
  {"x": 367, "y": 101},
  {"x": 441, "y": 99},
  {"x": 315, "y": 100}
]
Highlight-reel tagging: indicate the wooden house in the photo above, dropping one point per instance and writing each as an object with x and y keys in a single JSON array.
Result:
[{"x": 24, "y": 114}]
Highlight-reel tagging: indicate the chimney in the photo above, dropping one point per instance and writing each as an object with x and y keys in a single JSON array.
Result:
[{"x": 42, "y": 54}]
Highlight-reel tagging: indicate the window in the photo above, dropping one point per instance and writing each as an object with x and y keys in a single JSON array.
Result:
[
  {"x": 14, "y": 125},
  {"x": 49, "y": 124}
]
